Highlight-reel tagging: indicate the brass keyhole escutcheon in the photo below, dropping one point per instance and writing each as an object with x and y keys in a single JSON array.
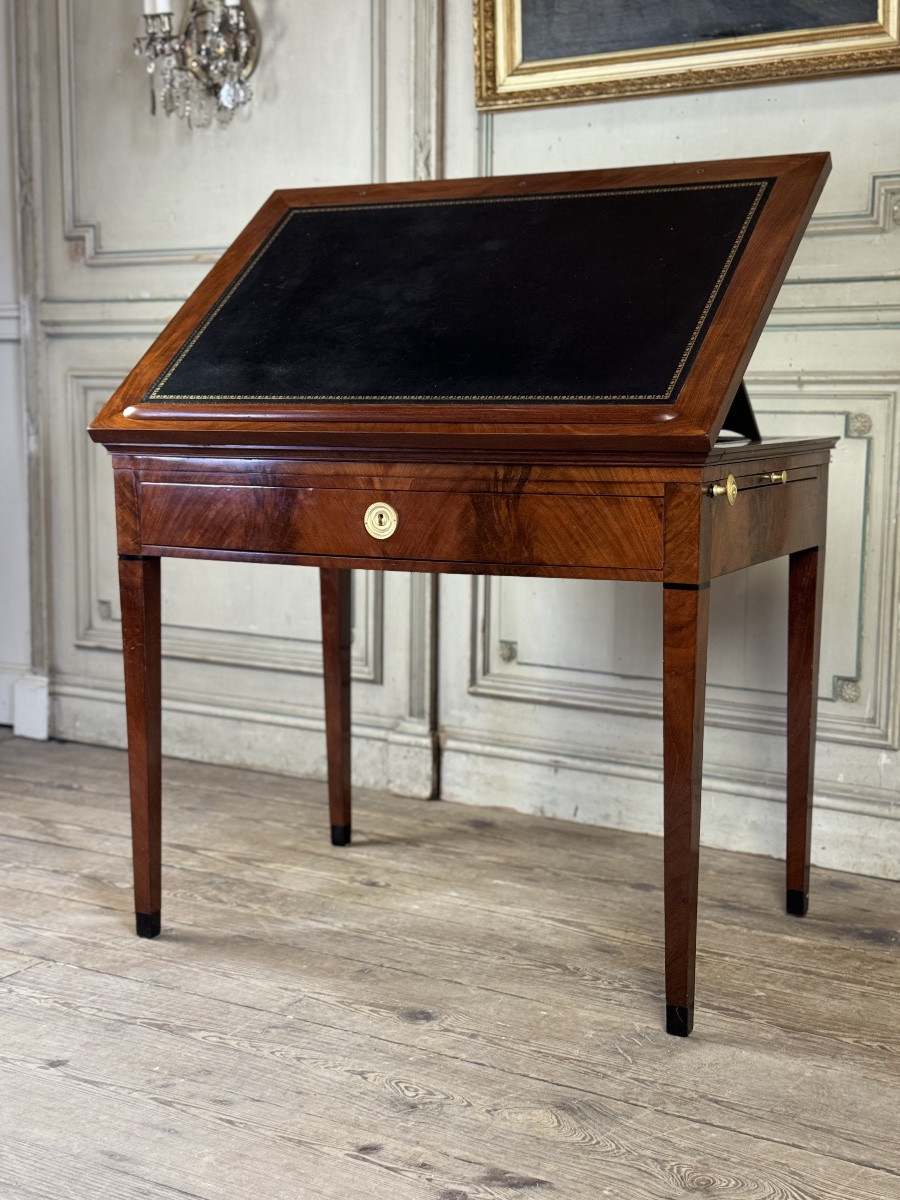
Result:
[
  {"x": 728, "y": 489},
  {"x": 380, "y": 519}
]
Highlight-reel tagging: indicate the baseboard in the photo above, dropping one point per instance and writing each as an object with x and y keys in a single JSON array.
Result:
[
  {"x": 387, "y": 756},
  {"x": 742, "y": 810},
  {"x": 24, "y": 701}
]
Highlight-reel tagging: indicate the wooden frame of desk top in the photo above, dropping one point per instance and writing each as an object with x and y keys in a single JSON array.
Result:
[
  {"x": 688, "y": 426},
  {"x": 600, "y": 522}
]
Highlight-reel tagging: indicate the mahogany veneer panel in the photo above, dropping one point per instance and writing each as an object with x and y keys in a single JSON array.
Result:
[
  {"x": 578, "y": 531},
  {"x": 768, "y": 521}
]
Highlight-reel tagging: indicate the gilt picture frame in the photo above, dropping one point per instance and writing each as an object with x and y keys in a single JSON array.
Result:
[{"x": 539, "y": 52}]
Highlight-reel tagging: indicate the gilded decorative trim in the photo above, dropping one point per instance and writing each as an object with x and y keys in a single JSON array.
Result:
[{"x": 503, "y": 80}]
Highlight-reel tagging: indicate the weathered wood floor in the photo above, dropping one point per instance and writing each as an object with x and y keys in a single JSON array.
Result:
[{"x": 464, "y": 1004}]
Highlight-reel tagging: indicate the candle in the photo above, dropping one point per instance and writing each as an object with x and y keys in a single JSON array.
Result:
[
  {"x": 157, "y": 8},
  {"x": 232, "y": 3}
]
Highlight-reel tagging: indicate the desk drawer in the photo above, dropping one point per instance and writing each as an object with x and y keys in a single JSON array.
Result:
[
  {"x": 473, "y": 527},
  {"x": 766, "y": 522}
]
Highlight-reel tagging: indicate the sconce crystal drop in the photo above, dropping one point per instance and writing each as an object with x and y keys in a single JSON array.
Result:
[{"x": 201, "y": 71}]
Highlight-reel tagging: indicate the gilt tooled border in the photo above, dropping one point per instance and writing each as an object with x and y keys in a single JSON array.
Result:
[{"x": 208, "y": 398}]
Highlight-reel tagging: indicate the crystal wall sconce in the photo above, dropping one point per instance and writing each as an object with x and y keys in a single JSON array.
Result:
[{"x": 201, "y": 70}]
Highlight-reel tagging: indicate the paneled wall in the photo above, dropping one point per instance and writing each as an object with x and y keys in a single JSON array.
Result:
[
  {"x": 548, "y": 692},
  {"x": 130, "y": 210}
]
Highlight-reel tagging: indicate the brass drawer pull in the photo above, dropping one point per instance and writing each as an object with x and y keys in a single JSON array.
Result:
[
  {"x": 729, "y": 489},
  {"x": 380, "y": 519},
  {"x": 775, "y": 477}
]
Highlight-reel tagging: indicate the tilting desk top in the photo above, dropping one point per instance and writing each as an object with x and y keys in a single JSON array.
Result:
[{"x": 592, "y": 311}]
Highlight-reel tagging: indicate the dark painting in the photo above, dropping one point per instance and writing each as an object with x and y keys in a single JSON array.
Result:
[{"x": 554, "y": 29}]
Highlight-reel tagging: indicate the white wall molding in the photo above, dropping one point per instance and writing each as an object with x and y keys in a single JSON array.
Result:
[
  {"x": 737, "y": 780},
  {"x": 823, "y": 318},
  {"x": 379, "y": 67},
  {"x": 83, "y": 232},
  {"x": 808, "y": 306},
  {"x": 882, "y": 214},
  {"x": 422, "y": 618},
  {"x": 418, "y": 775},
  {"x": 428, "y": 88},
  {"x": 288, "y": 739},
  {"x": 10, "y": 323},
  {"x": 484, "y": 146},
  {"x": 29, "y": 145},
  {"x": 868, "y": 404},
  {"x": 200, "y": 702},
  {"x": 107, "y": 318}
]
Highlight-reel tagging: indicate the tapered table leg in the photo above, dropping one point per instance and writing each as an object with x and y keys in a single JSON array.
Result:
[
  {"x": 807, "y": 571},
  {"x": 685, "y": 634},
  {"x": 139, "y": 588},
  {"x": 336, "y": 665}
]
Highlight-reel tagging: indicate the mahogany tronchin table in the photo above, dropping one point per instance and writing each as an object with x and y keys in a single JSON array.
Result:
[{"x": 521, "y": 376}]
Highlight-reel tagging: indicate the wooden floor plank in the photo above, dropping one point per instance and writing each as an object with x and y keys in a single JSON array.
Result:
[
  {"x": 492, "y": 840},
  {"x": 331, "y": 992},
  {"x": 390, "y": 873},
  {"x": 262, "y": 1061},
  {"x": 11, "y": 962},
  {"x": 337, "y": 998},
  {"x": 463, "y": 1004},
  {"x": 531, "y": 939}
]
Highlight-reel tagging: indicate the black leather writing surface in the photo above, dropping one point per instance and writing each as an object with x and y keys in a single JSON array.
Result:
[{"x": 590, "y": 298}]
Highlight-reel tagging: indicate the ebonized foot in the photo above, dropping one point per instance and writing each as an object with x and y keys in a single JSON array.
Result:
[
  {"x": 797, "y": 903},
  {"x": 147, "y": 924},
  {"x": 340, "y": 835},
  {"x": 679, "y": 1021}
]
